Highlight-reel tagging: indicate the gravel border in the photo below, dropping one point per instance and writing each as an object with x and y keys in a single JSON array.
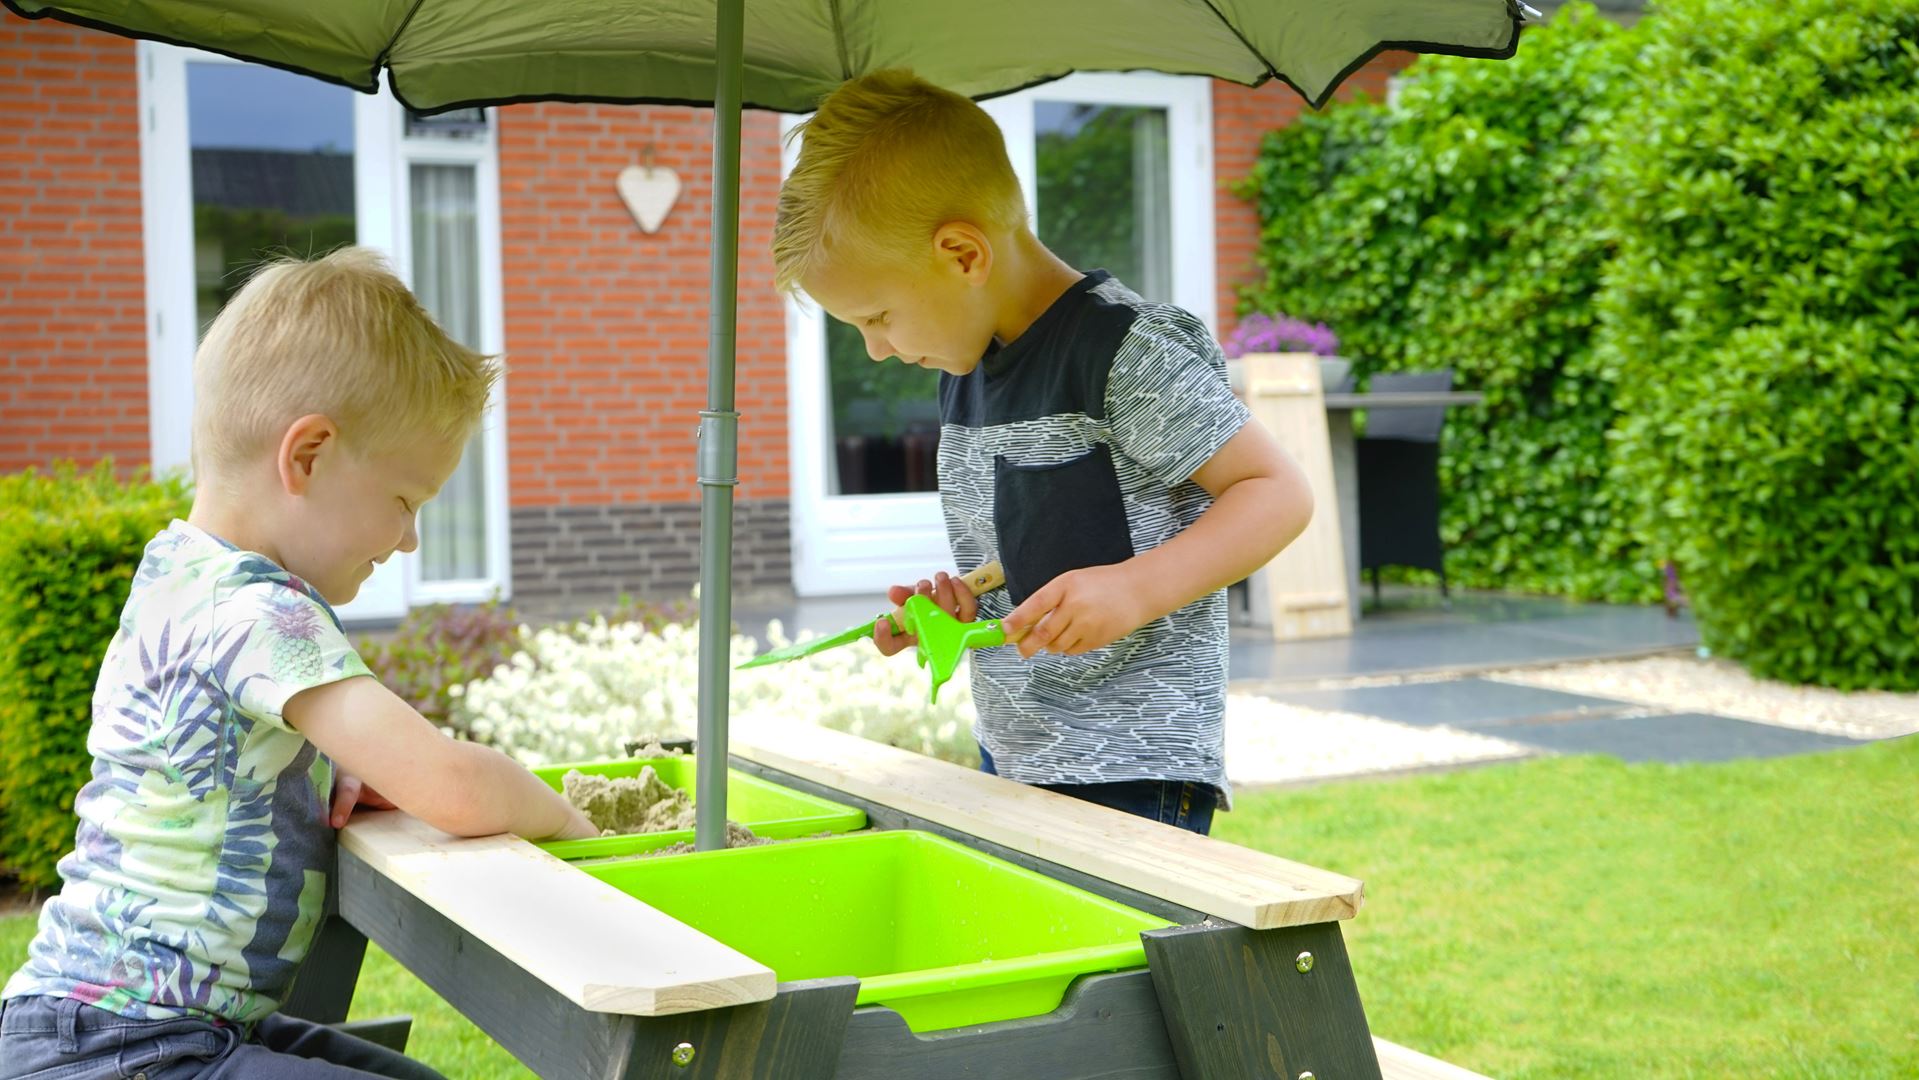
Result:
[{"x": 1272, "y": 743}]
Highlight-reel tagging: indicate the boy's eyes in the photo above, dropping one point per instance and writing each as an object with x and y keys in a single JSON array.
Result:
[
  {"x": 407, "y": 506},
  {"x": 877, "y": 320}
]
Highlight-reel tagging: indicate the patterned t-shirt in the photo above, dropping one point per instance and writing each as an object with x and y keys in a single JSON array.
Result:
[
  {"x": 1075, "y": 446},
  {"x": 199, "y": 866}
]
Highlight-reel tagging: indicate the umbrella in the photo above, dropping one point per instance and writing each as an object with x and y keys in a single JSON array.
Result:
[{"x": 784, "y": 55}]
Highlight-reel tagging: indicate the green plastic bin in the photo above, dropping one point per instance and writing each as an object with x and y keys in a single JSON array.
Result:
[
  {"x": 768, "y": 809},
  {"x": 941, "y": 933}
]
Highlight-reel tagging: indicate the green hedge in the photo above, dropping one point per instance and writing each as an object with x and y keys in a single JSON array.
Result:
[
  {"x": 1762, "y": 322},
  {"x": 69, "y": 542},
  {"x": 1460, "y": 229},
  {"x": 1682, "y": 261}
]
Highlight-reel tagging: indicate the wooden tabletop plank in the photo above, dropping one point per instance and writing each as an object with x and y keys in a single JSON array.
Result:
[
  {"x": 1248, "y": 887},
  {"x": 593, "y": 944},
  {"x": 1396, "y": 1062}
]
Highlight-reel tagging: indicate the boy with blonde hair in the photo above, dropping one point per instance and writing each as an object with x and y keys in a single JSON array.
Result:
[
  {"x": 1088, "y": 441},
  {"x": 231, "y": 711}
]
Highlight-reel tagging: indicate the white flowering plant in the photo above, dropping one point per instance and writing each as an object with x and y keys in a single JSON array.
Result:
[{"x": 574, "y": 693}]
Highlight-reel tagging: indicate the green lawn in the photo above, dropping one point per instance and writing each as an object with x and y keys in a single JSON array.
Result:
[{"x": 1572, "y": 917}]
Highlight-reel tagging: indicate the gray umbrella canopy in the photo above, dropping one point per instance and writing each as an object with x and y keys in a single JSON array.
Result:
[
  {"x": 784, "y": 55},
  {"x": 449, "y": 53}
]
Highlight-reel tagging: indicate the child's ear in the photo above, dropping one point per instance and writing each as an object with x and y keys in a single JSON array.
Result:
[
  {"x": 305, "y": 442},
  {"x": 963, "y": 247}
]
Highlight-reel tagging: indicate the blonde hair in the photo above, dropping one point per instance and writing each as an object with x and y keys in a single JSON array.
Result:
[
  {"x": 341, "y": 336},
  {"x": 887, "y": 160}
]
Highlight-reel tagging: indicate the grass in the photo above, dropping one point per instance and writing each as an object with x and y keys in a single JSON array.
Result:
[
  {"x": 1577, "y": 917},
  {"x": 1567, "y": 918}
]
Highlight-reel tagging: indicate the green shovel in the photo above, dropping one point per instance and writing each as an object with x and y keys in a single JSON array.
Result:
[{"x": 983, "y": 580}]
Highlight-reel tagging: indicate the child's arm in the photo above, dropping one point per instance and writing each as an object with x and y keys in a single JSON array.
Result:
[
  {"x": 461, "y": 787},
  {"x": 1261, "y": 502}
]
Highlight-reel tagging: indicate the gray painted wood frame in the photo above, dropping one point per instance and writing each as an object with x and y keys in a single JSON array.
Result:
[
  {"x": 1218, "y": 1000},
  {"x": 1280, "y": 1003}
]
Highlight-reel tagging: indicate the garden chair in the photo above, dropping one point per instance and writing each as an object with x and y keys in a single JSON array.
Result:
[{"x": 1398, "y": 461}]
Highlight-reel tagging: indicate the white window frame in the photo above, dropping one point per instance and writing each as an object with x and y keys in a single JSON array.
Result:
[
  {"x": 383, "y": 156},
  {"x": 480, "y": 151},
  {"x": 1188, "y": 101},
  {"x": 861, "y": 543}
]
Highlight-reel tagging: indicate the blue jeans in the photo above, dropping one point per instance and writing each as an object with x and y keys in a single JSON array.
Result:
[
  {"x": 1182, "y": 803},
  {"x": 67, "y": 1039}
]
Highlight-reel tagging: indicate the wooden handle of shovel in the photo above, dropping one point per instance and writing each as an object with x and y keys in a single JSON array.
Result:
[{"x": 985, "y": 579}]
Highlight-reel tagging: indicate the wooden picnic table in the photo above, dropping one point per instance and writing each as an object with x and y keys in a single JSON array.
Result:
[{"x": 578, "y": 979}]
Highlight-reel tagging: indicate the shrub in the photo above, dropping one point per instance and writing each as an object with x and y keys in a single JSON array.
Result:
[
  {"x": 1460, "y": 229},
  {"x": 69, "y": 543},
  {"x": 439, "y": 647},
  {"x": 1759, "y": 320},
  {"x": 578, "y": 692}
]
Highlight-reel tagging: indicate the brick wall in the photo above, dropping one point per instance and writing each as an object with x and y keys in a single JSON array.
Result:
[
  {"x": 571, "y": 559},
  {"x": 606, "y": 326},
  {"x": 73, "y": 349},
  {"x": 1241, "y": 118},
  {"x": 606, "y": 338}
]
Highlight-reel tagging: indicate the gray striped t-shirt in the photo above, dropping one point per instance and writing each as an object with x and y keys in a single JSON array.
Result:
[{"x": 1075, "y": 446}]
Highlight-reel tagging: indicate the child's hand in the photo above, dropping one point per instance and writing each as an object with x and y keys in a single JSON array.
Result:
[
  {"x": 349, "y": 792},
  {"x": 951, "y": 595},
  {"x": 1077, "y": 612}
]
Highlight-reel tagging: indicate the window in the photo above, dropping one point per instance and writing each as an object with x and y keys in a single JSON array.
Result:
[{"x": 241, "y": 163}]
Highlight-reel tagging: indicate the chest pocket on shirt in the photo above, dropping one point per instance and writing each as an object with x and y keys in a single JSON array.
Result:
[{"x": 1055, "y": 518}]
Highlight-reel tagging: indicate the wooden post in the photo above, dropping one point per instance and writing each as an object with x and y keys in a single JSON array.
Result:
[
  {"x": 1303, "y": 592},
  {"x": 1278, "y": 1003}
]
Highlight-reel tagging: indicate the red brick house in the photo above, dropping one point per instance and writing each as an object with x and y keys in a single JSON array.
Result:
[{"x": 137, "y": 181}]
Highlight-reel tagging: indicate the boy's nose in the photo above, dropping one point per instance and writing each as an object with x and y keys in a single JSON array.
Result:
[
  {"x": 411, "y": 541},
  {"x": 877, "y": 347}
]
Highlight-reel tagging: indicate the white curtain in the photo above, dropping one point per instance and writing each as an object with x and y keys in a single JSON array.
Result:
[
  {"x": 446, "y": 277},
  {"x": 1152, "y": 205}
]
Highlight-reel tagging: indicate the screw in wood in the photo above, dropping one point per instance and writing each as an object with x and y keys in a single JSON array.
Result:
[
  {"x": 683, "y": 1055},
  {"x": 1304, "y": 962}
]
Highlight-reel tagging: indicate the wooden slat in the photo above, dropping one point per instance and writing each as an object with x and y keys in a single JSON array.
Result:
[
  {"x": 594, "y": 945},
  {"x": 1248, "y": 887},
  {"x": 1301, "y": 593},
  {"x": 1398, "y": 1063}
]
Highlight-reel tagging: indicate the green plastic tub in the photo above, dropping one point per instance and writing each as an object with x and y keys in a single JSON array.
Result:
[
  {"x": 944, "y": 935},
  {"x": 768, "y": 809}
]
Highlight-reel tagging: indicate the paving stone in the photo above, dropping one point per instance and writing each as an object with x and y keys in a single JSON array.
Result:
[
  {"x": 1460, "y": 703},
  {"x": 1673, "y": 737}
]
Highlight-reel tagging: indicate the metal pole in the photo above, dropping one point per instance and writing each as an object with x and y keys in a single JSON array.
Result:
[{"x": 719, "y": 436}]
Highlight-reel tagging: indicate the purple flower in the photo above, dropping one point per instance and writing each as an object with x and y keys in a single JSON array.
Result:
[{"x": 1263, "y": 333}]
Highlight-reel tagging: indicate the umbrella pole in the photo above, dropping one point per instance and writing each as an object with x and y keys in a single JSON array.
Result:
[{"x": 719, "y": 437}]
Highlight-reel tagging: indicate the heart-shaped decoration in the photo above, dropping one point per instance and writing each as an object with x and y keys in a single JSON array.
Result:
[{"x": 649, "y": 192}]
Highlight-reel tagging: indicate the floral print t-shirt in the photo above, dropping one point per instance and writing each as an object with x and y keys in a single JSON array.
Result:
[{"x": 199, "y": 867}]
